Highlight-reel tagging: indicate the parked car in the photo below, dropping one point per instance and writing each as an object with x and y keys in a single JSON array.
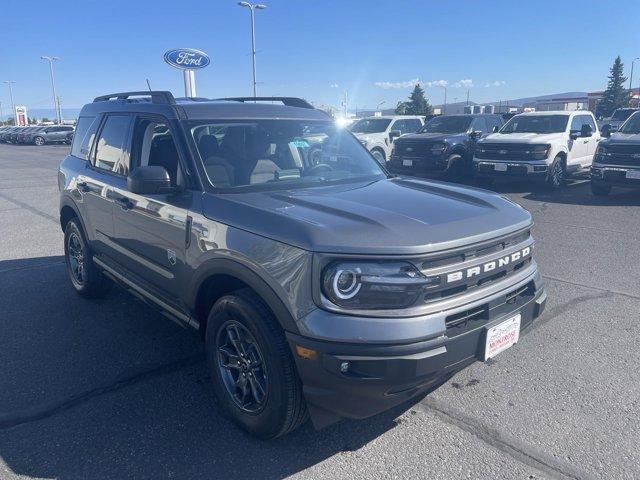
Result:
[
  {"x": 545, "y": 146},
  {"x": 26, "y": 133},
  {"x": 322, "y": 285},
  {"x": 13, "y": 135},
  {"x": 615, "y": 121},
  {"x": 377, "y": 134},
  {"x": 52, "y": 134},
  {"x": 444, "y": 146},
  {"x": 617, "y": 159}
]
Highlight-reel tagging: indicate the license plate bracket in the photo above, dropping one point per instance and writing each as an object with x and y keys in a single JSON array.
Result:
[
  {"x": 500, "y": 167},
  {"x": 407, "y": 163},
  {"x": 502, "y": 336}
]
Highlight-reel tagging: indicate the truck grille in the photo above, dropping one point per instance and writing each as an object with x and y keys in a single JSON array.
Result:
[
  {"x": 503, "y": 151},
  {"x": 474, "y": 267},
  {"x": 623, "y": 155},
  {"x": 413, "y": 149}
]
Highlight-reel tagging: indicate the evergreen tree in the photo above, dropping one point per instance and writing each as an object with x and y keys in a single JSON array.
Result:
[
  {"x": 615, "y": 96},
  {"x": 416, "y": 105}
]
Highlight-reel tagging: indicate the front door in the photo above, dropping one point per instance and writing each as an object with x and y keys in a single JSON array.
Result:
[{"x": 151, "y": 230}]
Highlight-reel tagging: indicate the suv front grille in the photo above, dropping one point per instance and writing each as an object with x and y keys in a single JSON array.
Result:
[
  {"x": 413, "y": 149},
  {"x": 503, "y": 151},
  {"x": 623, "y": 155}
]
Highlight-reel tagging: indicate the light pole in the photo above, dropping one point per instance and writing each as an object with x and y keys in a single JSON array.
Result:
[
  {"x": 380, "y": 103},
  {"x": 631, "y": 77},
  {"x": 444, "y": 110},
  {"x": 53, "y": 86},
  {"x": 1, "y": 121},
  {"x": 252, "y": 7},
  {"x": 13, "y": 105}
]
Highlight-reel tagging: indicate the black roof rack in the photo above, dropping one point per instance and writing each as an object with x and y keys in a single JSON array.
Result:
[
  {"x": 156, "y": 96},
  {"x": 287, "y": 101}
]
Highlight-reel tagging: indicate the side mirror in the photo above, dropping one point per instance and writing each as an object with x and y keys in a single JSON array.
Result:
[
  {"x": 605, "y": 131},
  {"x": 475, "y": 134},
  {"x": 496, "y": 129},
  {"x": 149, "y": 180},
  {"x": 394, "y": 134},
  {"x": 586, "y": 130}
]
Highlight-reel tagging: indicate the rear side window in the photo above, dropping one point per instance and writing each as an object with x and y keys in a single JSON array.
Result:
[
  {"x": 413, "y": 125},
  {"x": 112, "y": 152},
  {"x": 84, "y": 136}
]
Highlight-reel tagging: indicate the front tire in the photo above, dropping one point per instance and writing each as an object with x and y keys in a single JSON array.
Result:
[
  {"x": 557, "y": 174},
  {"x": 85, "y": 277},
  {"x": 253, "y": 372},
  {"x": 600, "y": 190},
  {"x": 39, "y": 141}
]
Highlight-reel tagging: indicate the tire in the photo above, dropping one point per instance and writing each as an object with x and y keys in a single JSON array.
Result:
[
  {"x": 600, "y": 190},
  {"x": 85, "y": 277},
  {"x": 557, "y": 174},
  {"x": 269, "y": 401},
  {"x": 455, "y": 169},
  {"x": 379, "y": 156},
  {"x": 39, "y": 141}
]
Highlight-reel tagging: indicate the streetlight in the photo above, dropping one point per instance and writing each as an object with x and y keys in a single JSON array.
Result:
[
  {"x": 380, "y": 103},
  {"x": 444, "y": 110},
  {"x": 252, "y": 7},
  {"x": 631, "y": 77},
  {"x": 56, "y": 105},
  {"x": 13, "y": 105}
]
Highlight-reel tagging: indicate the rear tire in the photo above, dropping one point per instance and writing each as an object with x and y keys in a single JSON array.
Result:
[
  {"x": 600, "y": 190},
  {"x": 39, "y": 141},
  {"x": 85, "y": 277},
  {"x": 557, "y": 174},
  {"x": 259, "y": 389}
]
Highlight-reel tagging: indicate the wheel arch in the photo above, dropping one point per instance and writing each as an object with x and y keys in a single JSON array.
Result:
[
  {"x": 221, "y": 276},
  {"x": 69, "y": 210}
]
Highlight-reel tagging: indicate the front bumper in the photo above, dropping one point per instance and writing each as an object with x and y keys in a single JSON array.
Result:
[
  {"x": 615, "y": 176},
  {"x": 433, "y": 164},
  {"x": 497, "y": 169},
  {"x": 361, "y": 380}
]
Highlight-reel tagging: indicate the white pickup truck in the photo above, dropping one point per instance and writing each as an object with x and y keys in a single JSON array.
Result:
[
  {"x": 378, "y": 133},
  {"x": 542, "y": 145}
]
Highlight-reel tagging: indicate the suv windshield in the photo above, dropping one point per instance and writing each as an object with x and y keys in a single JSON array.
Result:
[
  {"x": 452, "y": 124},
  {"x": 536, "y": 124},
  {"x": 280, "y": 153},
  {"x": 370, "y": 125},
  {"x": 622, "y": 113},
  {"x": 632, "y": 126}
]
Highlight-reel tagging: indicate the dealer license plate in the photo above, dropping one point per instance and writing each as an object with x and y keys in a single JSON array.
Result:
[
  {"x": 407, "y": 163},
  {"x": 633, "y": 174},
  {"x": 502, "y": 336},
  {"x": 500, "y": 167}
]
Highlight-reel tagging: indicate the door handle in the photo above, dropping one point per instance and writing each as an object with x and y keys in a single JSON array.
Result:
[
  {"x": 82, "y": 186},
  {"x": 124, "y": 203}
]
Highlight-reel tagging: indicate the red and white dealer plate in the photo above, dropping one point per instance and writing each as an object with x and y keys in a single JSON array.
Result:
[{"x": 502, "y": 336}]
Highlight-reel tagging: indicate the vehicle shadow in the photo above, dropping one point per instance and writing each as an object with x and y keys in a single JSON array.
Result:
[{"x": 112, "y": 389}]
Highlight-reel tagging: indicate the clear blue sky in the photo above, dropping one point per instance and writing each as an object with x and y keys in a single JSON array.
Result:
[{"x": 317, "y": 49}]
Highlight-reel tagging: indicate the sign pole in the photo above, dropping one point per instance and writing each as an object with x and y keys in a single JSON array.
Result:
[{"x": 189, "y": 83}]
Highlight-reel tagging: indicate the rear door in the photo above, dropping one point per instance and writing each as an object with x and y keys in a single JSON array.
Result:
[{"x": 151, "y": 230}]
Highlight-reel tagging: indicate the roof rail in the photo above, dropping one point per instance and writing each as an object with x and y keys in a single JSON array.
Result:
[
  {"x": 156, "y": 96},
  {"x": 288, "y": 101}
]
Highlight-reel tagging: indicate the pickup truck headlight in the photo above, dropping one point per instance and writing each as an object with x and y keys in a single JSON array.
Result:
[
  {"x": 438, "y": 148},
  {"x": 374, "y": 285},
  {"x": 601, "y": 153},
  {"x": 540, "y": 152}
]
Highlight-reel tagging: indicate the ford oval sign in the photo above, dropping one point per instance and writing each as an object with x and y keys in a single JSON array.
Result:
[{"x": 187, "y": 58}]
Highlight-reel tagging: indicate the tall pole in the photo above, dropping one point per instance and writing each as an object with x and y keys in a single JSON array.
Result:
[
  {"x": 252, "y": 7},
  {"x": 444, "y": 110},
  {"x": 53, "y": 87},
  {"x": 1, "y": 113},
  {"x": 631, "y": 77},
  {"x": 13, "y": 104}
]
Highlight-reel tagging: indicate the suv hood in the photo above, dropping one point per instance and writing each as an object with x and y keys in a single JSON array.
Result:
[
  {"x": 525, "y": 137},
  {"x": 390, "y": 216},
  {"x": 624, "y": 138}
]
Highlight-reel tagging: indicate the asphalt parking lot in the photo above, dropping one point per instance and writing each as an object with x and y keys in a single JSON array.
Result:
[{"x": 111, "y": 389}]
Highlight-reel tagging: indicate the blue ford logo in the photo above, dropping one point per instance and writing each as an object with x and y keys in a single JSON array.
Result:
[{"x": 187, "y": 58}]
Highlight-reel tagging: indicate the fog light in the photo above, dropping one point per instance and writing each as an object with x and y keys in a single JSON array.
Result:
[{"x": 344, "y": 367}]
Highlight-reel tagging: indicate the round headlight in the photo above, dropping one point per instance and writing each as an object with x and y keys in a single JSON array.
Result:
[{"x": 346, "y": 283}]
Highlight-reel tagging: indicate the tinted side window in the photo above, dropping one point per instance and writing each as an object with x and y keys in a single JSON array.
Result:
[
  {"x": 111, "y": 150},
  {"x": 413, "y": 125},
  {"x": 588, "y": 120},
  {"x": 153, "y": 145},
  {"x": 479, "y": 124},
  {"x": 399, "y": 125},
  {"x": 576, "y": 123},
  {"x": 83, "y": 139}
]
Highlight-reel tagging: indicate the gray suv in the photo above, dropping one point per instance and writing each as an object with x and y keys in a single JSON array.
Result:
[
  {"x": 52, "y": 134},
  {"x": 321, "y": 285}
]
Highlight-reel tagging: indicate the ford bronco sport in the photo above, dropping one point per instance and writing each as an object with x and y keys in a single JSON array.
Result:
[{"x": 321, "y": 285}]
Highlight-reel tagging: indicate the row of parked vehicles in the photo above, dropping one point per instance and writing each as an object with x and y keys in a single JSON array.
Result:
[
  {"x": 543, "y": 146},
  {"x": 37, "y": 134}
]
